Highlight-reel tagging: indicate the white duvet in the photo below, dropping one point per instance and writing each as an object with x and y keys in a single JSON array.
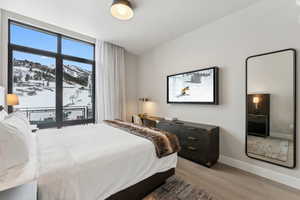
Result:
[{"x": 93, "y": 162}]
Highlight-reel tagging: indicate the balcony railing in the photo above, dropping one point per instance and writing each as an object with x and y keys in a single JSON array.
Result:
[{"x": 44, "y": 115}]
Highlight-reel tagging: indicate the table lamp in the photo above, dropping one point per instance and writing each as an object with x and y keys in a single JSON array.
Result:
[
  {"x": 12, "y": 100},
  {"x": 143, "y": 100}
]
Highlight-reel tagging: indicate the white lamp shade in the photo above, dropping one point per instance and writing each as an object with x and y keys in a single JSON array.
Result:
[
  {"x": 12, "y": 99},
  {"x": 2, "y": 96}
]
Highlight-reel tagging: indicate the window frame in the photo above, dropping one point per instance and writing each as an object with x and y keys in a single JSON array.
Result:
[{"x": 59, "y": 57}]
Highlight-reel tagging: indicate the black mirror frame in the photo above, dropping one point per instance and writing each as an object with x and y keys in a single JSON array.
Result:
[{"x": 295, "y": 105}]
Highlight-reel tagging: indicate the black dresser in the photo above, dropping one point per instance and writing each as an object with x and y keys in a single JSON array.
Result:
[{"x": 199, "y": 142}]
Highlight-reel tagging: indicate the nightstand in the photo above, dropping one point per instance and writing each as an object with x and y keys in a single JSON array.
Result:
[
  {"x": 24, "y": 192},
  {"x": 199, "y": 142}
]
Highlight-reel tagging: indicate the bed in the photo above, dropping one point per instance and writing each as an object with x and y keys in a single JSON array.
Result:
[{"x": 93, "y": 162}]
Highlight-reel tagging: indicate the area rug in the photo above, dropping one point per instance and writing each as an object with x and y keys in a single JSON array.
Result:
[
  {"x": 177, "y": 189},
  {"x": 269, "y": 147}
]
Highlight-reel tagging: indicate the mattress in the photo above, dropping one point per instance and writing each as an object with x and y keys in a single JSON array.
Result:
[{"x": 92, "y": 162}]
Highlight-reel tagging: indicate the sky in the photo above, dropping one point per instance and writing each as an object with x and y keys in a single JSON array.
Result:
[{"x": 40, "y": 40}]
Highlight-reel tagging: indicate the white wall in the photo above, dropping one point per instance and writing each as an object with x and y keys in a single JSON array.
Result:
[
  {"x": 131, "y": 82},
  {"x": 6, "y": 15},
  {"x": 130, "y": 59},
  {"x": 267, "y": 26}
]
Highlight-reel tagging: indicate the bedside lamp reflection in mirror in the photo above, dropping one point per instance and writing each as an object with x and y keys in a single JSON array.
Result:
[{"x": 256, "y": 101}]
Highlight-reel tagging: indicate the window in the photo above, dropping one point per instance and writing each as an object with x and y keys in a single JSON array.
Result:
[
  {"x": 33, "y": 38},
  {"x": 53, "y": 75},
  {"x": 34, "y": 81},
  {"x": 77, "y": 90},
  {"x": 72, "y": 47}
]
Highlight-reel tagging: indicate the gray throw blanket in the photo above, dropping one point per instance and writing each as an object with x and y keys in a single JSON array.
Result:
[{"x": 165, "y": 143}]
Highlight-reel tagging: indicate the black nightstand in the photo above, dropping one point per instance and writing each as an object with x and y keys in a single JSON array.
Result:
[{"x": 199, "y": 142}]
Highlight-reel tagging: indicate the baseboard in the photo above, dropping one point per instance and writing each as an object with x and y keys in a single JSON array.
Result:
[{"x": 263, "y": 172}]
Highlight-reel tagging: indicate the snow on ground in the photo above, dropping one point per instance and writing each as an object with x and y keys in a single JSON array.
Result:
[
  {"x": 38, "y": 97},
  {"x": 46, "y": 98}
]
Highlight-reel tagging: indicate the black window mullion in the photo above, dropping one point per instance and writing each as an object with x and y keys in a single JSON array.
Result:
[
  {"x": 94, "y": 86},
  {"x": 32, "y": 50},
  {"x": 77, "y": 59},
  {"x": 59, "y": 85},
  {"x": 10, "y": 75},
  {"x": 59, "y": 76},
  {"x": 94, "y": 92},
  {"x": 85, "y": 61}
]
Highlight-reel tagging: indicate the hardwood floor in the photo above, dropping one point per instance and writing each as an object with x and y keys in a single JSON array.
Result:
[{"x": 227, "y": 183}]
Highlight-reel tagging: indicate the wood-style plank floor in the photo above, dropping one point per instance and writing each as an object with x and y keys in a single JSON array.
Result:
[{"x": 227, "y": 183}]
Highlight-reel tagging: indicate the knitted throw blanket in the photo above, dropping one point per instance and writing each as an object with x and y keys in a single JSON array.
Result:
[{"x": 165, "y": 143}]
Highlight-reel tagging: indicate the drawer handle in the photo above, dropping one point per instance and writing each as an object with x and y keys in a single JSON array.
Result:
[
  {"x": 192, "y": 129},
  {"x": 191, "y": 148},
  {"x": 192, "y": 138}
]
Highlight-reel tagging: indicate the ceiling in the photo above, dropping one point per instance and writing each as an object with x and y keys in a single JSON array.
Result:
[{"x": 155, "y": 21}]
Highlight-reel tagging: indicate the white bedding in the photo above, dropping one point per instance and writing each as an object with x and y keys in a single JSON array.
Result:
[
  {"x": 93, "y": 162},
  {"x": 22, "y": 174}
]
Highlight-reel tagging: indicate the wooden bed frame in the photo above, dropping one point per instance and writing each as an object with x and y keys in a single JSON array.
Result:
[{"x": 143, "y": 188}]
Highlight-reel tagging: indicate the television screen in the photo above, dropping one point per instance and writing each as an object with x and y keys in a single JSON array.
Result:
[{"x": 200, "y": 86}]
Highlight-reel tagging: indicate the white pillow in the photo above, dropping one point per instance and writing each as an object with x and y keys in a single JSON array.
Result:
[
  {"x": 18, "y": 120},
  {"x": 3, "y": 114},
  {"x": 14, "y": 149},
  {"x": 19, "y": 115}
]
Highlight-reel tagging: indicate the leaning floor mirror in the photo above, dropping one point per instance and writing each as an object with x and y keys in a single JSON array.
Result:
[{"x": 271, "y": 107}]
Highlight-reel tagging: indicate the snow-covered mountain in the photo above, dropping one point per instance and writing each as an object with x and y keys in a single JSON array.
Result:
[
  {"x": 35, "y": 84},
  {"x": 72, "y": 74}
]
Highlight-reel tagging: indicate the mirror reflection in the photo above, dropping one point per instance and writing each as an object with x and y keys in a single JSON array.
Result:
[{"x": 270, "y": 118}]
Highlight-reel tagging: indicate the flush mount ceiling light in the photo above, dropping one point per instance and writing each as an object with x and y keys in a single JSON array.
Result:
[{"x": 121, "y": 9}]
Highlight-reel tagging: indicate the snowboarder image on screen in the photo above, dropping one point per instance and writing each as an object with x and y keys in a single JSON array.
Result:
[{"x": 184, "y": 91}]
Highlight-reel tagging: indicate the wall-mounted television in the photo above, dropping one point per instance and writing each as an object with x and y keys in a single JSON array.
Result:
[{"x": 198, "y": 87}]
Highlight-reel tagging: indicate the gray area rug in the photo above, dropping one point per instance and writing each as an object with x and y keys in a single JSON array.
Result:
[
  {"x": 269, "y": 147},
  {"x": 177, "y": 189}
]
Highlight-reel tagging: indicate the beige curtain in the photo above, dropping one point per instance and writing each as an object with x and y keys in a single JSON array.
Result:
[{"x": 110, "y": 82}]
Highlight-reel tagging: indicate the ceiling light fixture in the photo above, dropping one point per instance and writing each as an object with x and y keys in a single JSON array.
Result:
[{"x": 121, "y": 9}]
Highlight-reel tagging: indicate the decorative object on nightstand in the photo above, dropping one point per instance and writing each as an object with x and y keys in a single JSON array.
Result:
[
  {"x": 171, "y": 118},
  {"x": 150, "y": 121},
  {"x": 137, "y": 120}
]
